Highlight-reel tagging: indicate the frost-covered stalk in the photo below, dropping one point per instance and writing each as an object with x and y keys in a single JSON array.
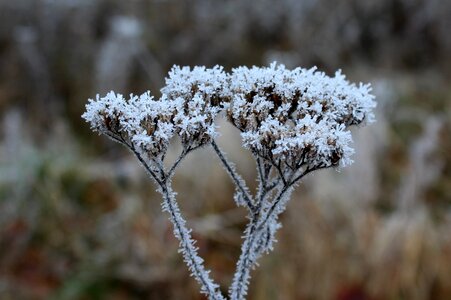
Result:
[
  {"x": 293, "y": 121},
  {"x": 146, "y": 126}
]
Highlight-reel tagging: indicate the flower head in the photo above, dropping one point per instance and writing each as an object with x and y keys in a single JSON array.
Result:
[
  {"x": 140, "y": 121},
  {"x": 299, "y": 116},
  {"x": 201, "y": 92}
]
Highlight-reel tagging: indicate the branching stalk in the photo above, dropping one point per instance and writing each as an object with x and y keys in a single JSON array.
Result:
[
  {"x": 181, "y": 232},
  {"x": 237, "y": 179}
]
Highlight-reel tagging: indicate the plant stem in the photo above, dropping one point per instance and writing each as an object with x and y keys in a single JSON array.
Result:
[
  {"x": 239, "y": 182},
  {"x": 189, "y": 251},
  {"x": 181, "y": 232}
]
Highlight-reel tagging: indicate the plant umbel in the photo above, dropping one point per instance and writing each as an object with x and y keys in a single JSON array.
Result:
[{"x": 293, "y": 122}]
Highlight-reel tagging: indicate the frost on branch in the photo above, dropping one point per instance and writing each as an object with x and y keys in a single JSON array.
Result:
[{"x": 293, "y": 121}]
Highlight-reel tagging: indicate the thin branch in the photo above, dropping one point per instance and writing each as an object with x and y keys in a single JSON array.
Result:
[
  {"x": 120, "y": 139},
  {"x": 248, "y": 256},
  {"x": 160, "y": 167},
  {"x": 277, "y": 166},
  {"x": 309, "y": 170},
  {"x": 183, "y": 154},
  {"x": 273, "y": 185},
  {"x": 239, "y": 182},
  {"x": 146, "y": 165},
  {"x": 282, "y": 176},
  {"x": 267, "y": 168},
  {"x": 284, "y": 190},
  {"x": 261, "y": 172},
  {"x": 177, "y": 162},
  {"x": 189, "y": 251},
  {"x": 238, "y": 289},
  {"x": 262, "y": 183}
]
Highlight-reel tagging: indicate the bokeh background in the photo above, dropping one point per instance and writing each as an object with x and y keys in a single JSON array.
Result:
[{"x": 79, "y": 219}]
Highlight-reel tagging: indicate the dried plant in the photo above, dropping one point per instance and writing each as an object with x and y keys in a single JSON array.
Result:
[{"x": 294, "y": 122}]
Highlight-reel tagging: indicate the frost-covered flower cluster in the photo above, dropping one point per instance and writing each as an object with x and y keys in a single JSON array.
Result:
[
  {"x": 297, "y": 115},
  {"x": 294, "y": 115},
  {"x": 190, "y": 102},
  {"x": 200, "y": 92},
  {"x": 293, "y": 122},
  {"x": 139, "y": 120}
]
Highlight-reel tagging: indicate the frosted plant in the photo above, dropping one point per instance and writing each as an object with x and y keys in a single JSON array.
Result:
[{"x": 293, "y": 121}]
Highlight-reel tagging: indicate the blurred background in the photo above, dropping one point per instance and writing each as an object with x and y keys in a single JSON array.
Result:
[{"x": 79, "y": 218}]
